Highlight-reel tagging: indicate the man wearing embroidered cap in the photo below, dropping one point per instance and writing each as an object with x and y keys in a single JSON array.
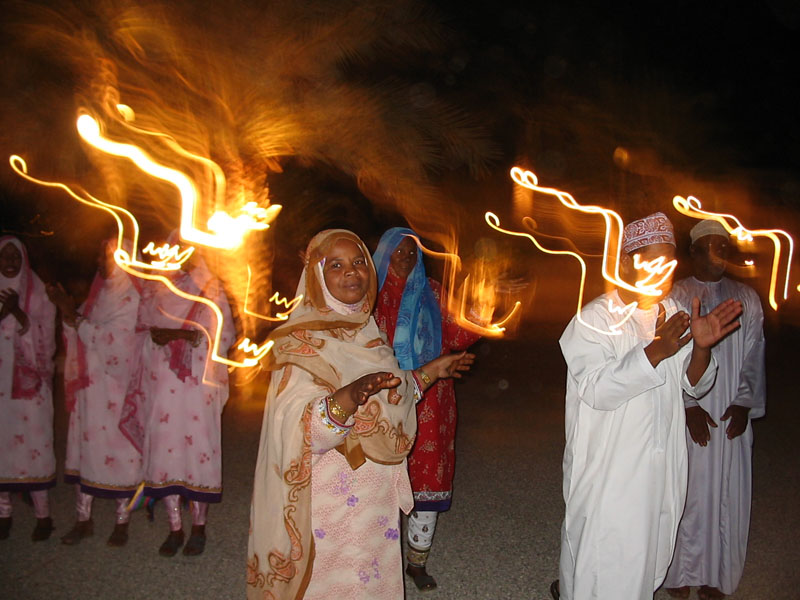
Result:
[
  {"x": 712, "y": 537},
  {"x": 625, "y": 455}
]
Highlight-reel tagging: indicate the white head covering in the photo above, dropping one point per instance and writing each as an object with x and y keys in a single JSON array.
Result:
[{"x": 708, "y": 227}]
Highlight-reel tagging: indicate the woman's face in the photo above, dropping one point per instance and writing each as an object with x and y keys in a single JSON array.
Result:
[
  {"x": 404, "y": 257},
  {"x": 346, "y": 272},
  {"x": 10, "y": 260}
]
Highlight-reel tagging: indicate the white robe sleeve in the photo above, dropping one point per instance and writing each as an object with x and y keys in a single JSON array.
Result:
[
  {"x": 752, "y": 391},
  {"x": 603, "y": 380},
  {"x": 705, "y": 383}
]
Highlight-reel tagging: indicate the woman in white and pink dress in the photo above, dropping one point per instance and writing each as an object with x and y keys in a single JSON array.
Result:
[
  {"x": 339, "y": 421},
  {"x": 173, "y": 410},
  {"x": 27, "y": 346},
  {"x": 99, "y": 339}
]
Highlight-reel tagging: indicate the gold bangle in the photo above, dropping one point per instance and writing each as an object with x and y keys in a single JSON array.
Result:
[
  {"x": 336, "y": 410},
  {"x": 424, "y": 376}
]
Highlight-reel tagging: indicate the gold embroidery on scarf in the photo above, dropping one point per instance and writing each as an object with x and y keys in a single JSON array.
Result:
[
  {"x": 255, "y": 577},
  {"x": 297, "y": 477},
  {"x": 308, "y": 345},
  {"x": 368, "y": 423},
  {"x": 375, "y": 343}
]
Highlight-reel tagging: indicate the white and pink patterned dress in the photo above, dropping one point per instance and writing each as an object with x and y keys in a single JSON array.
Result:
[
  {"x": 100, "y": 359},
  {"x": 174, "y": 405},
  {"x": 27, "y": 460}
]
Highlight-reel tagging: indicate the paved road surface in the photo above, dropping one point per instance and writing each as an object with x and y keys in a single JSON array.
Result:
[{"x": 499, "y": 541}]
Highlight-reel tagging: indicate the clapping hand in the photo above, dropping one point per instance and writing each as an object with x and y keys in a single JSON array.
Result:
[
  {"x": 368, "y": 385},
  {"x": 669, "y": 336},
  {"x": 714, "y": 326},
  {"x": 10, "y": 301}
]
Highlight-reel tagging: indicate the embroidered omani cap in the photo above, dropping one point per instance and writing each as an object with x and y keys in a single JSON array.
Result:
[{"x": 653, "y": 229}]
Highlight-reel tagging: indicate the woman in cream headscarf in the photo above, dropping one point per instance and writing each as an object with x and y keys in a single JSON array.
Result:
[{"x": 338, "y": 424}]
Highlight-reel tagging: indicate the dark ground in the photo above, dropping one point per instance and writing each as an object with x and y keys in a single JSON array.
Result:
[{"x": 500, "y": 540}]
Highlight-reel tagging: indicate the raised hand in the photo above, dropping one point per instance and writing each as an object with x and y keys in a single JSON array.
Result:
[
  {"x": 369, "y": 385},
  {"x": 449, "y": 365},
  {"x": 710, "y": 329},
  {"x": 698, "y": 422},
  {"x": 669, "y": 336},
  {"x": 738, "y": 415},
  {"x": 10, "y": 301}
]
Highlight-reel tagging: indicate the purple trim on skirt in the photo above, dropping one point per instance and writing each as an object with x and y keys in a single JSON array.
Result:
[
  {"x": 160, "y": 492},
  {"x": 431, "y": 505},
  {"x": 28, "y": 487},
  {"x": 98, "y": 492}
]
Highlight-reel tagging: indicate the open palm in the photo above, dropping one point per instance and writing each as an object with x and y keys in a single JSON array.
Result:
[{"x": 709, "y": 329}]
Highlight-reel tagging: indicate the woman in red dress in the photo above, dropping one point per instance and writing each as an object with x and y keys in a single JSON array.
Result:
[{"x": 409, "y": 310}]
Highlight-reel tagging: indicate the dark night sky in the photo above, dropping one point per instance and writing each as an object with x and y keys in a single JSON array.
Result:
[
  {"x": 711, "y": 88},
  {"x": 737, "y": 59}
]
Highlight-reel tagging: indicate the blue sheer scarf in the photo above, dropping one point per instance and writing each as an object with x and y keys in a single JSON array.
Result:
[{"x": 418, "y": 334}]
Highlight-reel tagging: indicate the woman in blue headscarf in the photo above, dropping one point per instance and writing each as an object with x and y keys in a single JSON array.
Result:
[{"x": 409, "y": 311}]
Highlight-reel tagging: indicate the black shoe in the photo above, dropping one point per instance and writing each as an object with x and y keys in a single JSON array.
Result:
[
  {"x": 5, "y": 527},
  {"x": 171, "y": 545},
  {"x": 81, "y": 529},
  {"x": 422, "y": 580},
  {"x": 44, "y": 527},
  {"x": 118, "y": 537},
  {"x": 197, "y": 541},
  {"x": 555, "y": 591}
]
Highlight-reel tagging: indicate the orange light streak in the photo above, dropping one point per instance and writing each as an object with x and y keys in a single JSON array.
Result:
[
  {"x": 170, "y": 257},
  {"x": 691, "y": 207},
  {"x": 228, "y": 232},
  {"x": 657, "y": 271},
  {"x": 480, "y": 291},
  {"x": 128, "y": 262},
  {"x": 276, "y": 299},
  {"x": 614, "y": 228}
]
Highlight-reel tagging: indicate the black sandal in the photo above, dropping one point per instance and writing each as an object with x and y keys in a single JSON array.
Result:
[
  {"x": 197, "y": 541},
  {"x": 79, "y": 531},
  {"x": 118, "y": 537},
  {"x": 423, "y": 581},
  {"x": 5, "y": 527},
  {"x": 555, "y": 590},
  {"x": 172, "y": 543},
  {"x": 44, "y": 527}
]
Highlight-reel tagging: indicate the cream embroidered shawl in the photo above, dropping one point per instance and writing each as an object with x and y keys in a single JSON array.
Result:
[{"x": 335, "y": 349}]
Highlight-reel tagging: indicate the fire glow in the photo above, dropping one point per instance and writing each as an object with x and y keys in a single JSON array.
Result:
[{"x": 691, "y": 207}]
